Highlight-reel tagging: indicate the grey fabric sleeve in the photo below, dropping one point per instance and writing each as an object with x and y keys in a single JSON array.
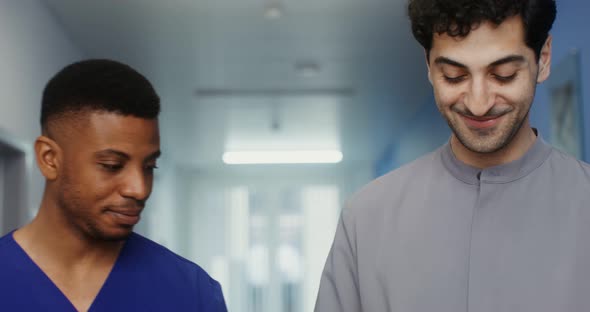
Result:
[{"x": 339, "y": 288}]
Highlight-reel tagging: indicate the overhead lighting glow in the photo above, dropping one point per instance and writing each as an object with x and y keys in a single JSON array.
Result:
[
  {"x": 282, "y": 157},
  {"x": 307, "y": 69},
  {"x": 273, "y": 11}
]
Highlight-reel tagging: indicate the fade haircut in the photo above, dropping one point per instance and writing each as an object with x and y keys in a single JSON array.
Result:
[
  {"x": 457, "y": 18},
  {"x": 98, "y": 85}
]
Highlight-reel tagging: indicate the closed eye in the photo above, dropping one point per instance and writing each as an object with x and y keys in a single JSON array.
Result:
[
  {"x": 504, "y": 79},
  {"x": 111, "y": 167},
  {"x": 454, "y": 80}
]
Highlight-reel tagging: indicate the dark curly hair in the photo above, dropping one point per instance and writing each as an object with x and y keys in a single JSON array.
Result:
[
  {"x": 458, "y": 17},
  {"x": 99, "y": 85}
]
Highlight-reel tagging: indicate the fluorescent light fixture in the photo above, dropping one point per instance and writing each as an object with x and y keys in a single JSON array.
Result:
[{"x": 283, "y": 157}]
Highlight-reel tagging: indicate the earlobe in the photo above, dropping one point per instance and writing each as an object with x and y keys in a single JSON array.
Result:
[
  {"x": 48, "y": 155},
  {"x": 545, "y": 61}
]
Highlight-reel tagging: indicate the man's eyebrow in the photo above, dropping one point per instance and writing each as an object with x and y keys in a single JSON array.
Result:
[
  {"x": 504, "y": 60},
  {"x": 445, "y": 60},
  {"x": 508, "y": 59},
  {"x": 111, "y": 152}
]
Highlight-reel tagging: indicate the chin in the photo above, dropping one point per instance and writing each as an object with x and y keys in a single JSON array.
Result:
[
  {"x": 484, "y": 145},
  {"x": 110, "y": 235},
  {"x": 482, "y": 141},
  {"x": 484, "y": 149},
  {"x": 118, "y": 238},
  {"x": 118, "y": 235}
]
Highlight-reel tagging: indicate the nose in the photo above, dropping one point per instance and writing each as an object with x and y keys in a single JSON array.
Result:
[
  {"x": 137, "y": 185},
  {"x": 479, "y": 99}
]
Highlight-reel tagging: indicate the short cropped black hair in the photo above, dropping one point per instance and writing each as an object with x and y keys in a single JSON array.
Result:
[
  {"x": 99, "y": 85},
  {"x": 458, "y": 17}
]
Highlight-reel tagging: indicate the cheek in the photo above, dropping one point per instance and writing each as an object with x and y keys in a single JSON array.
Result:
[
  {"x": 518, "y": 95},
  {"x": 445, "y": 97},
  {"x": 95, "y": 185},
  {"x": 522, "y": 89},
  {"x": 104, "y": 187},
  {"x": 101, "y": 192}
]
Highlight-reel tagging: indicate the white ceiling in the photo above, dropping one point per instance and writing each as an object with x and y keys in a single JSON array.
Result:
[{"x": 371, "y": 74}]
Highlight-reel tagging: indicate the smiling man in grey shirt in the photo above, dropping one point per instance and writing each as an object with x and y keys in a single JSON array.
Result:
[{"x": 495, "y": 220}]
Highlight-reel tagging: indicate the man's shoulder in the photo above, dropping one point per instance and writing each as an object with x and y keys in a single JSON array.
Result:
[
  {"x": 160, "y": 255},
  {"x": 147, "y": 246},
  {"x": 387, "y": 188},
  {"x": 6, "y": 241},
  {"x": 568, "y": 167},
  {"x": 9, "y": 250},
  {"x": 158, "y": 258},
  {"x": 165, "y": 265},
  {"x": 421, "y": 168}
]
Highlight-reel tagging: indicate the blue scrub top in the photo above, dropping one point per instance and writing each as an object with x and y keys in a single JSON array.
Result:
[{"x": 146, "y": 277}]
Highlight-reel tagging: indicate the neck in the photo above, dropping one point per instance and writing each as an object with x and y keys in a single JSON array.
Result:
[
  {"x": 520, "y": 144},
  {"x": 52, "y": 238}
]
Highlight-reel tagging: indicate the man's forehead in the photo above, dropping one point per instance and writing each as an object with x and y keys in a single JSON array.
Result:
[
  {"x": 484, "y": 45},
  {"x": 152, "y": 154}
]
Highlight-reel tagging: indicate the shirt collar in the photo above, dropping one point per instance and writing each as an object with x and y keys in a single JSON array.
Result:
[{"x": 511, "y": 171}]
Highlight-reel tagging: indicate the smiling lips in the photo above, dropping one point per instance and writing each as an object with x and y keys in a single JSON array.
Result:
[
  {"x": 481, "y": 122},
  {"x": 126, "y": 216}
]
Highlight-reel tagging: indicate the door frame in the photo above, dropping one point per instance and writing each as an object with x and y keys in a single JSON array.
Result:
[{"x": 17, "y": 162}]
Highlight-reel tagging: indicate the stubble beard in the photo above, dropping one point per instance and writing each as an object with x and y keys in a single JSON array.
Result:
[
  {"x": 487, "y": 141},
  {"x": 79, "y": 217},
  {"x": 481, "y": 144}
]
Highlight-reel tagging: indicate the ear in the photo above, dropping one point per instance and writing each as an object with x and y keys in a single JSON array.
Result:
[
  {"x": 426, "y": 57},
  {"x": 545, "y": 61},
  {"x": 48, "y": 155}
]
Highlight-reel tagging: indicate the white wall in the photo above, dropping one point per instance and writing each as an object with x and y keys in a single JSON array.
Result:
[
  {"x": 160, "y": 218},
  {"x": 33, "y": 47}
]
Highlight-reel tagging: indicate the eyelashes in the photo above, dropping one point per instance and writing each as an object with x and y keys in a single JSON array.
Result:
[
  {"x": 111, "y": 167},
  {"x": 454, "y": 80},
  {"x": 505, "y": 79},
  {"x": 461, "y": 78}
]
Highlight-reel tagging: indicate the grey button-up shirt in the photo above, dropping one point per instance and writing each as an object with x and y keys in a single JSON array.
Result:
[{"x": 438, "y": 235}]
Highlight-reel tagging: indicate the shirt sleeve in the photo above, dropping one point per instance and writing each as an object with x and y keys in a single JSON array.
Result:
[{"x": 339, "y": 289}]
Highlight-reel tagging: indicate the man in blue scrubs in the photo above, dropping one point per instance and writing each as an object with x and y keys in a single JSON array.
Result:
[{"x": 98, "y": 151}]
